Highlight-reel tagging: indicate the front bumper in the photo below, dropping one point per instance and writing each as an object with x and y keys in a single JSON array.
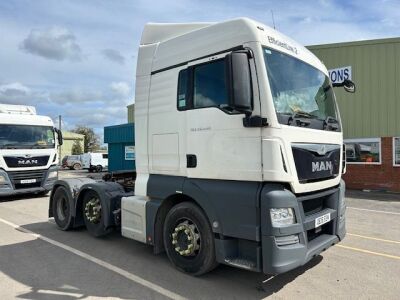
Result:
[
  {"x": 12, "y": 187},
  {"x": 289, "y": 247}
]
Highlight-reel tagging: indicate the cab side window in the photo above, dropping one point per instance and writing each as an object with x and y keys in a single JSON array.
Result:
[
  {"x": 182, "y": 87},
  {"x": 210, "y": 85},
  {"x": 202, "y": 86}
]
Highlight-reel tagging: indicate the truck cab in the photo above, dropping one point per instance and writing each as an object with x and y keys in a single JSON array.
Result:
[{"x": 28, "y": 151}]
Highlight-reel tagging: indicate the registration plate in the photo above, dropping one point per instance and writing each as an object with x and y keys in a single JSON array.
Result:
[
  {"x": 24, "y": 181},
  {"x": 322, "y": 220}
]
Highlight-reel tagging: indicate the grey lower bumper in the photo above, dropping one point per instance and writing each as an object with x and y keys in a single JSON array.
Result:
[
  {"x": 9, "y": 189},
  {"x": 292, "y": 246}
]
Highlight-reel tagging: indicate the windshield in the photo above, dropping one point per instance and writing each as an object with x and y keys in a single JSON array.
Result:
[
  {"x": 26, "y": 137},
  {"x": 298, "y": 88}
]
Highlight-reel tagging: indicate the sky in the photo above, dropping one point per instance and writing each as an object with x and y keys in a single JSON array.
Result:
[{"x": 77, "y": 59}]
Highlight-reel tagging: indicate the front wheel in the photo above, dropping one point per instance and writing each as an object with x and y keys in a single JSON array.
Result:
[{"x": 188, "y": 239}]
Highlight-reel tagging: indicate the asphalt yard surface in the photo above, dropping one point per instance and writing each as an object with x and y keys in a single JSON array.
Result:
[{"x": 38, "y": 261}]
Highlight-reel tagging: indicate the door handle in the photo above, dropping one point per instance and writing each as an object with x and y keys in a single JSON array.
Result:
[{"x": 191, "y": 161}]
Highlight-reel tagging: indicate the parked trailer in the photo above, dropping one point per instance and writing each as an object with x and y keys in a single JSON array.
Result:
[{"x": 239, "y": 153}]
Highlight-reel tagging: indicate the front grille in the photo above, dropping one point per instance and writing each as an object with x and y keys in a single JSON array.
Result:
[
  {"x": 316, "y": 232},
  {"x": 316, "y": 162},
  {"x": 17, "y": 176},
  {"x": 313, "y": 206},
  {"x": 23, "y": 161}
]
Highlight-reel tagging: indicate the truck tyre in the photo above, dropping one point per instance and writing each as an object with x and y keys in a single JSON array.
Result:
[
  {"x": 62, "y": 209},
  {"x": 93, "y": 213},
  {"x": 99, "y": 169},
  {"x": 77, "y": 166},
  {"x": 188, "y": 239}
]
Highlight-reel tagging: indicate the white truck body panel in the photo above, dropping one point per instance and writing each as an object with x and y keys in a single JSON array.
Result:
[{"x": 133, "y": 217}]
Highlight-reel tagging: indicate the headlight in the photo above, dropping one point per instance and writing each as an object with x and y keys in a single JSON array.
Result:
[
  {"x": 52, "y": 174},
  {"x": 282, "y": 216},
  {"x": 3, "y": 179}
]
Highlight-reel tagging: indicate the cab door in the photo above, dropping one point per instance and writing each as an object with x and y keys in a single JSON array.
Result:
[{"x": 218, "y": 146}]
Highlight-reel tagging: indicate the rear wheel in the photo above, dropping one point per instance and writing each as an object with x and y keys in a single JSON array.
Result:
[
  {"x": 93, "y": 213},
  {"x": 188, "y": 239},
  {"x": 62, "y": 209},
  {"x": 77, "y": 166},
  {"x": 99, "y": 169}
]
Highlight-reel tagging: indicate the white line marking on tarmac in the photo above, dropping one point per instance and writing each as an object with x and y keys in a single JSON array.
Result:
[
  {"x": 373, "y": 238},
  {"x": 376, "y": 211},
  {"x": 99, "y": 262},
  {"x": 58, "y": 293},
  {"x": 368, "y": 252}
]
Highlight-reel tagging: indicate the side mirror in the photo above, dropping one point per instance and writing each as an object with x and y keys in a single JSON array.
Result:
[
  {"x": 59, "y": 136},
  {"x": 348, "y": 85},
  {"x": 239, "y": 81}
]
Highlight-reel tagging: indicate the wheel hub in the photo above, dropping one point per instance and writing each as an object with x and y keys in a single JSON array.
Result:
[
  {"x": 93, "y": 210},
  {"x": 186, "y": 239}
]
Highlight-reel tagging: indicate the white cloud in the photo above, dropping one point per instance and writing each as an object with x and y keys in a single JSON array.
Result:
[
  {"x": 76, "y": 96},
  {"x": 18, "y": 93},
  {"x": 14, "y": 89},
  {"x": 121, "y": 88},
  {"x": 55, "y": 43},
  {"x": 114, "y": 56}
]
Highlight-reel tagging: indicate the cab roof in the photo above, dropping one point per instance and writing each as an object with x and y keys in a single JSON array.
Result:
[{"x": 165, "y": 45}]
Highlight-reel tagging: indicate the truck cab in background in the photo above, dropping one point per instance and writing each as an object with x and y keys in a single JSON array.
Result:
[
  {"x": 28, "y": 151},
  {"x": 239, "y": 152}
]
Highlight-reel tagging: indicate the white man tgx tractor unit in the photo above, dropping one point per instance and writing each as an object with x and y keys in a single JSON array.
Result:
[
  {"x": 239, "y": 153},
  {"x": 28, "y": 151}
]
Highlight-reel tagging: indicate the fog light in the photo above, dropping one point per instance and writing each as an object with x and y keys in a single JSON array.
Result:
[
  {"x": 3, "y": 179},
  {"x": 52, "y": 175},
  {"x": 282, "y": 216},
  {"x": 287, "y": 240}
]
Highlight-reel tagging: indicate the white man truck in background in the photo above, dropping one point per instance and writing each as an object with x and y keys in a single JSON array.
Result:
[
  {"x": 28, "y": 151},
  {"x": 239, "y": 153}
]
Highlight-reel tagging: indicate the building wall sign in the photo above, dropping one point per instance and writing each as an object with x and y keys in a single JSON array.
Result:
[{"x": 338, "y": 75}]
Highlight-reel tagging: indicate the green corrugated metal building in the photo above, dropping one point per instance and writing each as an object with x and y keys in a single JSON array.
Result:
[
  {"x": 131, "y": 113},
  {"x": 69, "y": 138},
  {"x": 121, "y": 147},
  {"x": 372, "y": 111},
  {"x": 370, "y": 124}
]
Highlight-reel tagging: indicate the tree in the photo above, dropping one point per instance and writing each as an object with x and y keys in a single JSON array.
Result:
[
  {"x": 76, "y": 148},
  {"x": 91, "y": 142}
]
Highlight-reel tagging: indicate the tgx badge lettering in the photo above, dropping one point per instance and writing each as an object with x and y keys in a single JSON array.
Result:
[{"x": 322, "y": 166}]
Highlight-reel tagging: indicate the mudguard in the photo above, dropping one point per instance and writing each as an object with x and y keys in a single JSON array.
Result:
[{"x": 110, "y": 194}]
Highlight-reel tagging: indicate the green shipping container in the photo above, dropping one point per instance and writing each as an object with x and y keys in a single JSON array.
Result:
[{"x": 121, "y": 147}]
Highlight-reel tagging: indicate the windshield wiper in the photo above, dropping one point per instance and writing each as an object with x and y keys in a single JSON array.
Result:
[
  {"x": 298, "y": 116},
  {"x": 8, "y": 146},
  {"x": 330, "y": 123},
  {"x": 38, "y": 146}
]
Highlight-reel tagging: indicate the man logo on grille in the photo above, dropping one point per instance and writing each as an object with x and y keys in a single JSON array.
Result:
[
  {"x": 28, "y": 162},
  {"x": 319, "y": 166}
]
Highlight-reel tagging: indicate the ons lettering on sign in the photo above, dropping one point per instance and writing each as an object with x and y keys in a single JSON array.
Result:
[{"x": 338, "y": 75}]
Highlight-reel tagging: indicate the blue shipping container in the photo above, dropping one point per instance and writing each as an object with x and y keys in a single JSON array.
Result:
[{"x": 121, "y": 147}]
